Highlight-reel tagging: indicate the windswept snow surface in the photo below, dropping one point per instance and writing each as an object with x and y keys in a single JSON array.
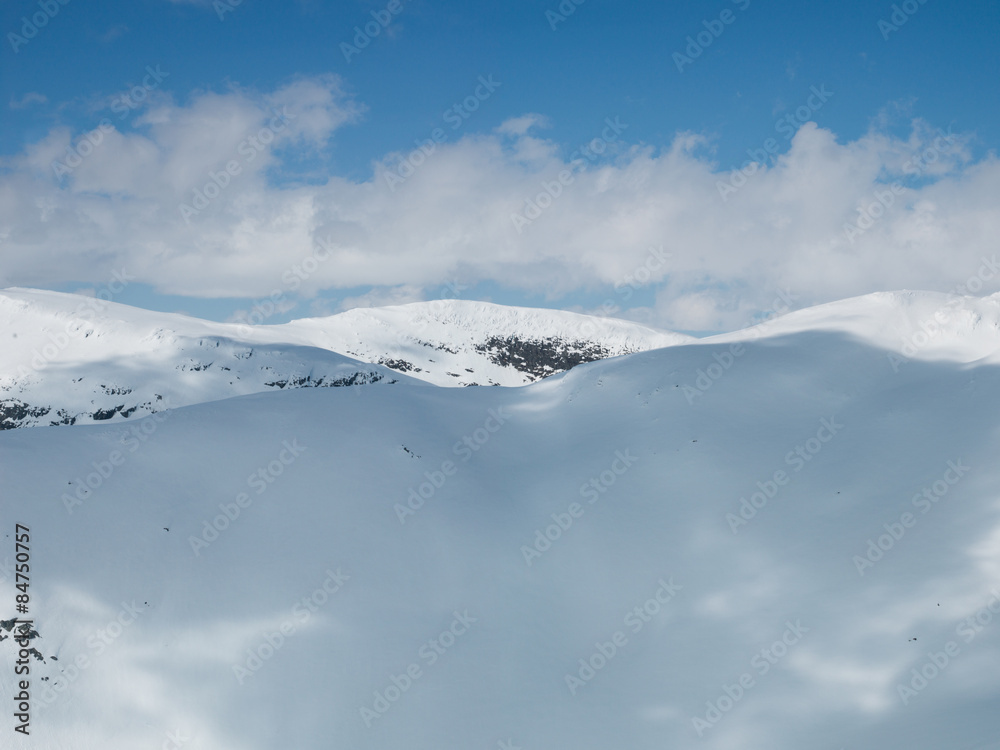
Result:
[{"x": 803, "y": 553}]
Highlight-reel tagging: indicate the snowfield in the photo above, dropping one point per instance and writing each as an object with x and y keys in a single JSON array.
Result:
[{"x": 786, "y": 537}]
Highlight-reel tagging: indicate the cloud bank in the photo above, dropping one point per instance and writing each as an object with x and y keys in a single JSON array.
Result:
[{"x": 209, "y": 198}]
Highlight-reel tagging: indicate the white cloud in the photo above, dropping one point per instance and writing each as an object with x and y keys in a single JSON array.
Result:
[
  {"x": 280, "y": 305},
  {"x": 782, "y": 229},
  {"x": 521, "y": 125},
  {"x": 382, "y": 297},
  {"x": 32, "y": 97}
]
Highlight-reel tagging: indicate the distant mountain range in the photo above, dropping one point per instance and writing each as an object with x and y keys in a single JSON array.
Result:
[{"x": 67, "y": 359}]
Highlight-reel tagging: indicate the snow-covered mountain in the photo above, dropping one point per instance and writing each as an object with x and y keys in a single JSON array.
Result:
[
  {"x": 67, "y": 359},
  {"x": 456, "y": 342},
  {"x": 784, "y": 539},
  {"x": 912, "y": 325}
]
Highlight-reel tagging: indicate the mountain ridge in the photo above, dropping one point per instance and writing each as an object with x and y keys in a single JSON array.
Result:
[{"x": 68, "y": 359}]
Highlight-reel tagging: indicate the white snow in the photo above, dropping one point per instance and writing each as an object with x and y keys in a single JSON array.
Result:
[
  {"x": 919, "y": 325},
  {"x": 441, "y": 337},
  {"x": 849, "y": 436},
  {"x": 78, "y": 356}
]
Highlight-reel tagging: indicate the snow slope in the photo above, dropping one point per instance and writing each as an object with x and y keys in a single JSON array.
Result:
[
  {"x": 67, "y": 359},
  {"x": 743, "y": 522},
  {"x": 455, "y": 342},
  {"x": 914, "y": 325}
]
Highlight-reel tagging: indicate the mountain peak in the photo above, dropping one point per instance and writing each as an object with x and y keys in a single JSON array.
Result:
[{"x": 462, "y": 342}]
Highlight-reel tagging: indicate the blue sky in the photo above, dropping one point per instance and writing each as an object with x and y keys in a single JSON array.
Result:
[{"x": 848, "y": 100}]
